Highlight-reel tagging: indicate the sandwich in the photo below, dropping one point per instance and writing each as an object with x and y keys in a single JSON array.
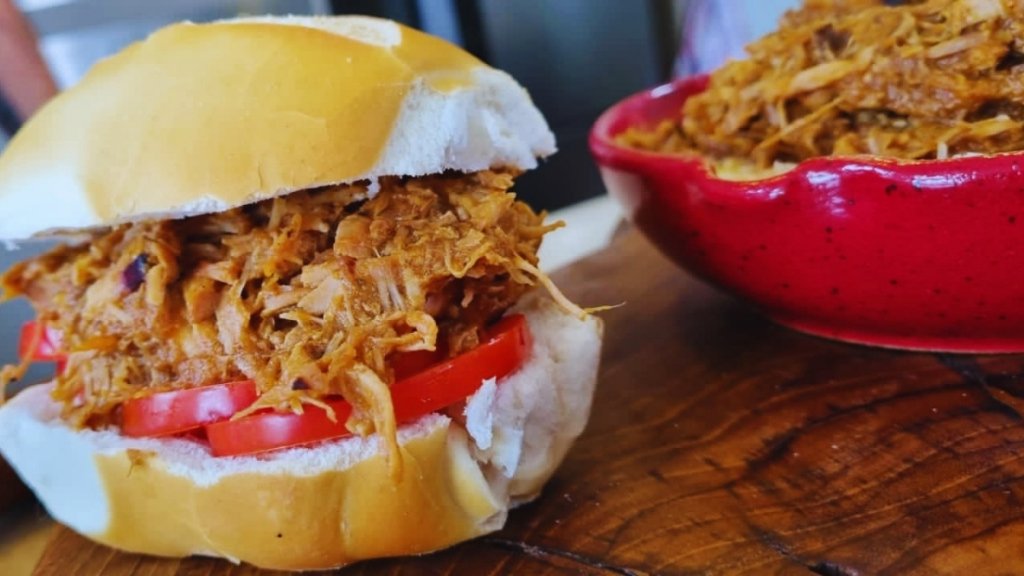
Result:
[{"x": 299, "y": 317}]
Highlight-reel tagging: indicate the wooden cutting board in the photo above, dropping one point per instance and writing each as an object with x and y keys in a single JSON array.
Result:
[{"x": 721, "y": 443}]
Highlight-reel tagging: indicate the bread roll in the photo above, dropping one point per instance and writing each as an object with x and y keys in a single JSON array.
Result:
[{"x": 268, "y": 106}]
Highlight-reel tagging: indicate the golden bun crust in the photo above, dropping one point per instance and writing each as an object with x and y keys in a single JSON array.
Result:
[
  {"x": 201, "y": 118},
  {"x": 290, "y": 521},
  {"x": 327, "y": 505}
]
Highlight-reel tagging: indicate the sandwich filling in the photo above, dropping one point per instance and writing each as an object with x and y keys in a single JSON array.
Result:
[{"x": 311, "y": 295}]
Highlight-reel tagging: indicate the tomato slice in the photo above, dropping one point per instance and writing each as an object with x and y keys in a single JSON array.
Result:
[
  {"x": 50, "y": 342},
  {"x": 177, "y": 411},
  {"x": 504, "y": 350},
  {"x": 406, "y": 364},
  {"x": 273, "y": 430}
]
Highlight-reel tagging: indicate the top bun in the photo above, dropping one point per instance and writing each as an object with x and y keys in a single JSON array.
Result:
[{"x": 202, "y": 118}]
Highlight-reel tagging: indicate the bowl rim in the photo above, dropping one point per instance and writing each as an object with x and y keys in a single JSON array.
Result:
[
  {"x": 602, "y": 135},
  {"x": 608, "y": 152}
]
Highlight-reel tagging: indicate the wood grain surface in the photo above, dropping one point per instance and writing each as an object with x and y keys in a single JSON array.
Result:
[{"x": 721, "y": 443}]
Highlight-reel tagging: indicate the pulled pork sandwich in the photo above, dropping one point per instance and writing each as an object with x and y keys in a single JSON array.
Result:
[
  {"x": 302, "y": 323},
  {"x": 920, "y": 79}
]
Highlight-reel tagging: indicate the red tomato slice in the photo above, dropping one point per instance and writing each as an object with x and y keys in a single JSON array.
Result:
[
  {"x": 505, "y": 349},
  {"x": 272, "y": 430},
  {"x": 176, "y": 411},
  {"x": 406, "y": 364},
  {"x": 49, "y": 347},
  {"x": 442, "y": 385}
]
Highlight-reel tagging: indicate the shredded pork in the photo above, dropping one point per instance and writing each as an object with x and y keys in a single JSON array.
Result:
[
  {"x": 911, "y": 79},
  {"x": 308, "y": 294}
]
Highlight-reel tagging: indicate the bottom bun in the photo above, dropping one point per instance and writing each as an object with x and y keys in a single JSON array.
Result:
[{"x": 330, "y": 504}]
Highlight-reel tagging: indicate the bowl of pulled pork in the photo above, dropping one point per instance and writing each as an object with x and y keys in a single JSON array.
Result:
[{"x": 858, "y": 176}]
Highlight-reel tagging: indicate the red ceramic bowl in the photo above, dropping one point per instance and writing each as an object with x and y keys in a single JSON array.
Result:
[{"x": 923, "y": 255}]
